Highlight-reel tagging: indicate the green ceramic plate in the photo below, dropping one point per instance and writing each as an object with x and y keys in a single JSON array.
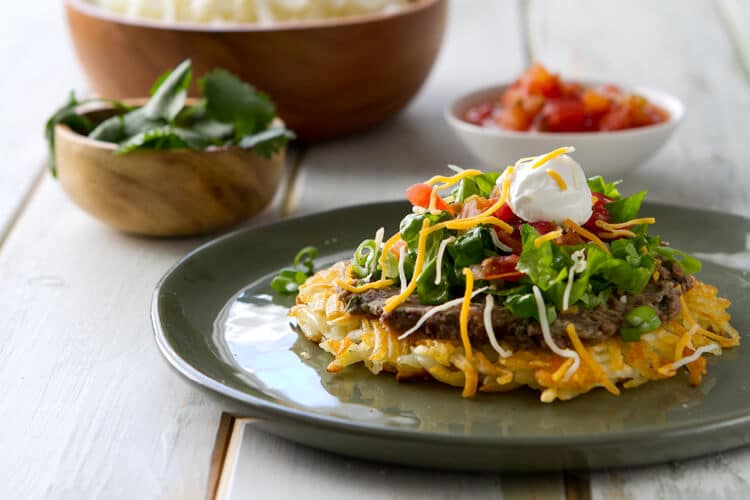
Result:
[{"x": 218, "y": 324}]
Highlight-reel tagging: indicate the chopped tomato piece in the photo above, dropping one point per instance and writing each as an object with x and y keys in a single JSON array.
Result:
[
  {"x": 570, "y": 238},
  {"x": 561, "y": 115},
  {"x": 541, "y": 100},
  {"x": 513, "y": 241},
  {"x": 598, "y": 212},
  {"x": 479, "y": 114},
  {"x": 474, "y": 206},
  {"x": 543, "y": 226},
  {"x": 502, "y": 267},
  {"x": 505, "y": 214},
  {"x": 419, "y": 196}
]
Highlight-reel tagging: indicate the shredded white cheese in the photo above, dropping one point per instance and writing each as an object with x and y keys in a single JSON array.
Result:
[
  {"x": 263, "y": 12},
  {"x": 379, "y": 234},
  {"x": 579, "y": 265},
  {"x": 401, "y": 271},
  {"x": 547, "y": 334},
  {"x": 712, "y": 348},
  {"x": 439, "y": 259},
  {"x": 489, "y": 304},
  {"x": 456, "y": 168},
  {"x": 435, "y": 310},
  {"x": 499, "y": 244}
]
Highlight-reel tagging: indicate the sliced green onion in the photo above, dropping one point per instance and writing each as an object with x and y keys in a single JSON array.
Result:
[
  {"x": 289, "y": 279},
  {"x": 642, "y": 319}
]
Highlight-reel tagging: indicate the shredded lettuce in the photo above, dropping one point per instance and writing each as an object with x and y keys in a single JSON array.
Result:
[
  {"x": 626, "y": 209},
  {"x": 609, "y": 189}
]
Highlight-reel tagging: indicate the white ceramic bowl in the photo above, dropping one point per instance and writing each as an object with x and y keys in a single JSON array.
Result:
[{"x": 609, "y": 154}]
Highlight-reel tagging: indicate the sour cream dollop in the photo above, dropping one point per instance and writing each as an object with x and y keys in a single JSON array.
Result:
[{"x": 536, "y": 193}]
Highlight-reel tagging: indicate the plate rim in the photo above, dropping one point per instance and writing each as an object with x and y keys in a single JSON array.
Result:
[{"x": 733, "y": 421}]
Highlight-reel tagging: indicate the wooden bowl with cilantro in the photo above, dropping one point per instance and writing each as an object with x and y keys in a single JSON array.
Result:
[{"x": 168, "y": 165}]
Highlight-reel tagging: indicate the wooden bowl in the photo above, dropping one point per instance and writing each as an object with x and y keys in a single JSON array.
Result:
[
  {"x": 165, "y": 193},
  {"x": 328, "y": 78}
]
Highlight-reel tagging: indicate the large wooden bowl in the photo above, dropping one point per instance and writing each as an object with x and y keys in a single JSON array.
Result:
[
  {"x": 328, "y": 78},
  {"x": 165, "y": 193}
]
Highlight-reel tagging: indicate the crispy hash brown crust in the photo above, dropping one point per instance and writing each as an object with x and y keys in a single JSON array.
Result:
[{"x": 352, "y": 339}]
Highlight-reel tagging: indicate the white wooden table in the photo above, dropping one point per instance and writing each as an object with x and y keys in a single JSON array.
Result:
[{"x": 90, "y": 410}]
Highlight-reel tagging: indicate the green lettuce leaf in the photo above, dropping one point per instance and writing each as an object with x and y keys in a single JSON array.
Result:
[
  {"x": 523, "y": 306},
  {"x": 609, "y": 189},
  {"x": 627, "y": 208},
  {"x": 543, "y": 265}
]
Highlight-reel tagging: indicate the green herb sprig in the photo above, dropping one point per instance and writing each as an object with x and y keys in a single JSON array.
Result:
[{"x": 231, "y": 113}]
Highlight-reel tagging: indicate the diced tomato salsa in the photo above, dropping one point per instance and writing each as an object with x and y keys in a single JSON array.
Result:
[{"x": 541, "y": 101}]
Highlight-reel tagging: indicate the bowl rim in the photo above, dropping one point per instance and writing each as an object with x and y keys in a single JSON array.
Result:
[
  {"x": 674, "y": 106},
  {"x": 69, "y": 134},
  {"x": 91, "y": 10}
]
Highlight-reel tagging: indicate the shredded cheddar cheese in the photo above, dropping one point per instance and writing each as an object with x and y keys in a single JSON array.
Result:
[
  {"x": 552, "y": 235},
  {"x": 633, "y": 222},
  {"x": 395, "y": 301},
  {"x": 365, "y": 287},
  {"x": 464, "y": 316},
  {"x": 590, "y": 360},
  {"x": 541, "y": 160},
  {"x": 387, "y": 248},
  {"x": 586, "y": 234},
  {"x": 452, "y": 180},
  {"x": 614, "y": 232},
  {"x": 558, "y": 178}
]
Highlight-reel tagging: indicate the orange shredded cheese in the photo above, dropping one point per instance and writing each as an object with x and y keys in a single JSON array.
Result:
[
  {"x": 464, "y": 316},
  {"x": 679, "y": 348},
  {"x": 397, "y": 300},
  {"x": 558, "y": 178},
  {"x": 541, "y": 160},
  {"x": 614, "y": 232},
  {"x": 721, "y": 340},
  {"x": 552, "y": 235},
  {"x": 586, "y": 234},
  {"x": 589, "y": 359},
  {"x": 633, "y": 222},
  {"x": 560, "y": 372},
  {"x": 365, "y": 287},
  {"x": 452, "y": 180},
  {"x": 387, "y": 248}
]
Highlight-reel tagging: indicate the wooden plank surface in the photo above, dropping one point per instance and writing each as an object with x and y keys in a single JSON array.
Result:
[
  {"x": 682, "y": 47},
  {"x": 263, "y": 464},
  {"x": 38, "y": 71},
  {"x": 89, "y": 408}
]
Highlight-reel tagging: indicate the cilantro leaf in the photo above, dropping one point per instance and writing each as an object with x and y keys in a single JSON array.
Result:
[
  {"x": 169, "y": 96},
  {"x": 161, "y": 109},
  {"x": 230, "y": 100},
  {"x": 162, "y": 138},
  {"x": 268, "y": 142},
  {"x": 68, "y": 115}
]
